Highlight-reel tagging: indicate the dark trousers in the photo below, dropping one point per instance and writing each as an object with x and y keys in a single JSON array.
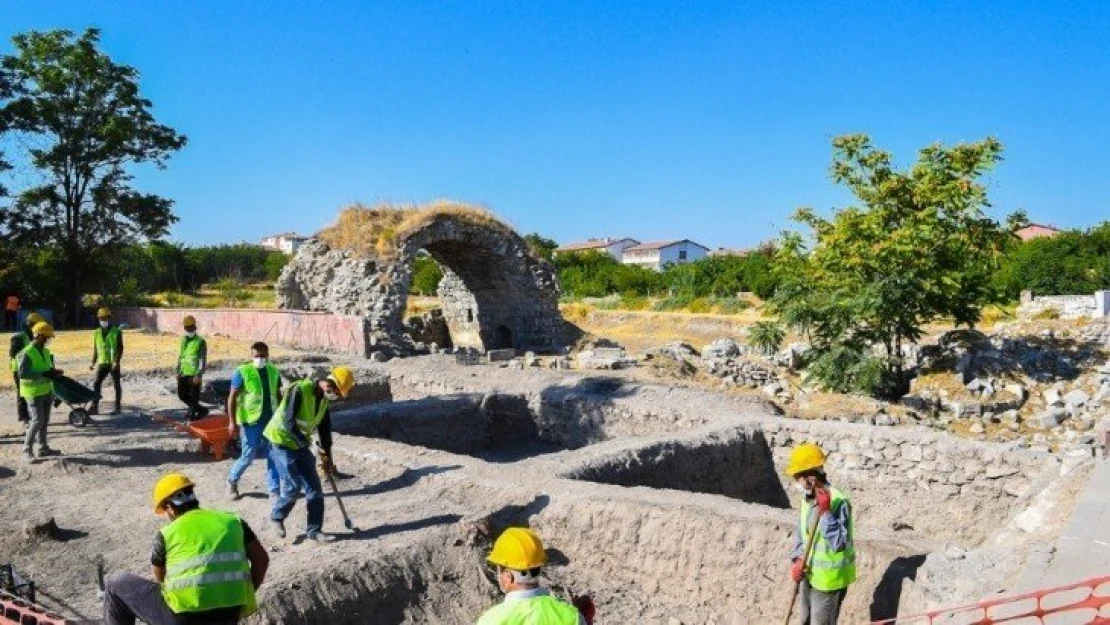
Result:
[
  {"x": 103, "y": 371},
  {"x": 20, "y": 404},
  {"x": 188, "y": 392},
  {"x": 9, "y": 320},
  {"x": 129, "y": 597},
  {"x": 819, "y": 607}
]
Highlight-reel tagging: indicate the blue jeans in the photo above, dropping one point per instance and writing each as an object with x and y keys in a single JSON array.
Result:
[
  {"x": 298, "y": 466},
  {"x": 254, "y": 445}
]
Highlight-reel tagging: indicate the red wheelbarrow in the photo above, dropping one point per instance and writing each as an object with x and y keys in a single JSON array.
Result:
[{"x": 211, "y": 431}]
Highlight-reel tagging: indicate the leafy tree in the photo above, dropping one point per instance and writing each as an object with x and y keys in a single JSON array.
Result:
[
  {"x": 87, "y": 123},
  {"x": 540, "y": 246},
  {"x": 1068, "y": 263},
  {"x": 918, "y": 247},
  {"x": 426, "y": 275}
]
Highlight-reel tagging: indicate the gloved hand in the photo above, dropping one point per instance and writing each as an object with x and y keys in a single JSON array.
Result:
[
  {"x": 797, "y": 571},
  {"x": 824, "y": 499},
  {"x": 585, "y": 607}
]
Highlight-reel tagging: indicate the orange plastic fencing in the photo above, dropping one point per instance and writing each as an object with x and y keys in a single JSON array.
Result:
[
  {"x": 17, "y": 611},
  {"x": 1080, "y": 603},
  {"x": 211, "y": 431}
]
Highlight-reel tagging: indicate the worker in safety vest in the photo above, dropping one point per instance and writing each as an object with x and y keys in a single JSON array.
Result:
[
  {"x": 255, "y": 394},
  {"x": 304, "y": 410},
  {"x": 518, "y": 555},
  {"x": 107, "y": 352},
  {"x": 19, "y": 341},
  {"x": 207, "y": 565},
  {"x": 192, "y": 356},
  {"x": 831, "y": 567},
  {"x": 11, "y": 312},
  {"x": 36, "y": 386}
]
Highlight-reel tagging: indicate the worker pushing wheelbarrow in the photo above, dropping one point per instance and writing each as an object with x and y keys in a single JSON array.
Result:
[{"x": 77, "y": 396}]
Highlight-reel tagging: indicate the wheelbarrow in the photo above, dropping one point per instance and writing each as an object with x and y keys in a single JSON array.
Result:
[
  {"x": 211, "y": 431},
  {"x": 77, "y": 396}
]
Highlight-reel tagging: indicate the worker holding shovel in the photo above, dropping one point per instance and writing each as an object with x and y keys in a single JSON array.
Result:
[{"x": 824, "y": 556}]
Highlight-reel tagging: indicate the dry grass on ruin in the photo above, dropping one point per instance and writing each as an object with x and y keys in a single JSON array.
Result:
[{"x": 376, "y": 230}]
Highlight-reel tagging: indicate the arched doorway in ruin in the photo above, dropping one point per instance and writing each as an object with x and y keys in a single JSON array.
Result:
[{"x": 494, "y": 294}]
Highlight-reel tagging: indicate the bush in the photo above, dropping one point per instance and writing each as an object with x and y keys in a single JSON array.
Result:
[
  {"x": 1047, "y": 313},
  {"x": 766, "y": 336},
  {"x": 233, "y": 293}
]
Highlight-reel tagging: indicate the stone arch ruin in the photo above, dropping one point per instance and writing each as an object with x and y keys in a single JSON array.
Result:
[{"x": 494, "y": 293}]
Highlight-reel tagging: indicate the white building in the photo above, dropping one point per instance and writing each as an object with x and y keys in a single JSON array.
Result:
[
  {"x": 659, "y": 254},
  {"x": 614, "y": 247},
  {"x": 288, "y": 242}
]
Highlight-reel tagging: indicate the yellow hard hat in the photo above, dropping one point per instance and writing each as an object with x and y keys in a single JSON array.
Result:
[
  {"x": 166, "y": 487},
  {"x": 103, "y": 313},
  {"x": 33, "y": 319},
  {"x": 805, "y": 457},
  {"x": 43, "y": 329},
  {"x": 189, "y": 320},
  {"x": 519, "y": 549},
  {"x": 343, "y": 378}
]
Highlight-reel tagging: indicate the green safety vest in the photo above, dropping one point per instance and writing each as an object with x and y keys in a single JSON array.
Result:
[
  {"x": 107, "y": 347},
  {"x": 308, "y": 417},
  {"x": 541, "y": 610},
  {"x": 24, "y": 340},
  {"x": 248, "y": 404},
  {"x": 206, "y": 563},
  {"x": 830, "y": 570},
  {"x": 41, "y": 362},
  {"x": 188, "y": 362}
]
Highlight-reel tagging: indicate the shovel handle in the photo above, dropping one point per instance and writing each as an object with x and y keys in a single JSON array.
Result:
[{"x": 805, "y": 563}]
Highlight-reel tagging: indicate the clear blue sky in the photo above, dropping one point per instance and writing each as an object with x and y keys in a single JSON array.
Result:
[{"x": 655, "y": 120}]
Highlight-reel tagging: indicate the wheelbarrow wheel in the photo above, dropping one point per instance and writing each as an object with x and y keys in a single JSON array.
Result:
[{"x": 79, "y": 417}]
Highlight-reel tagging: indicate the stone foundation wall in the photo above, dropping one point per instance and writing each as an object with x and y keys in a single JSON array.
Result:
[
  {"x": 1068, "y": 306},
  {"x": 304, "y": 330}
]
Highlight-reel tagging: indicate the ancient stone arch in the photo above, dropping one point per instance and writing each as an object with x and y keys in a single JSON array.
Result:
[{"x": 494, "y": 293}]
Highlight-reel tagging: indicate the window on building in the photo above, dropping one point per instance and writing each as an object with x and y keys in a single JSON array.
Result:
[{"x": 682, "y": 255}]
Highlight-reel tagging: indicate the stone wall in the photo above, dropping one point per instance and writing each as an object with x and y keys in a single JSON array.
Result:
[
  {"x": 1067, "y": 306},
  {"x": 494, "y": 293},
  {"x": 304, "y": 330}
]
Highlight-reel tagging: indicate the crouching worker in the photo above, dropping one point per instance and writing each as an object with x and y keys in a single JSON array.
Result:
[
  {"x": 826, "y": 571},
  {"x": 303, "y": 410},
  {"x": 518, "y": 555},
  {"x": 207, "y": 565}
]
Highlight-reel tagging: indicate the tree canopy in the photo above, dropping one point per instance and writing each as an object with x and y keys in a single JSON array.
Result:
[
  {"x": 86, "y": 124},
  {"x": 918, "y": 247}
]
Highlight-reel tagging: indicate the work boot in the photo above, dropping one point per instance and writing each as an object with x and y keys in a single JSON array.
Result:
[
  {"x": 95, "y": 408},
  {"x": 278, "y": 528},
  {"x": 321, "y": 537},
  {"x": 28, "y": 458},
  {"x": 47, "y": 451},
  {"x": 116, "y": 409},
  {"x": 233, "y": 490},
  {"x": 202, "y": 411}
]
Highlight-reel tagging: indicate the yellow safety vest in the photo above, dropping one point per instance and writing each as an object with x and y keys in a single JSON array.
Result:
[
  {"x": 107, "y": 347},
  {"x": 41, "y": 362},
  {"x": 541, "y": 610},
  {"x": 248, "y": 405},
  {"x": 309, "y": 416},
  {"x": 829, "y": 570},
  {"x": 206, "y": 563},
  {"x": 188, "y": 362}
]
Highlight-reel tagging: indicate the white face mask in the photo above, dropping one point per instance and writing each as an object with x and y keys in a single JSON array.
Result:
[
  {"x": 801, "y": 487},
  {"x": 260, "y": 362},
  {"x": 190, "y": 334},
  {"x": 105, "y": 323},
  {"x": 331, "y": 396}
]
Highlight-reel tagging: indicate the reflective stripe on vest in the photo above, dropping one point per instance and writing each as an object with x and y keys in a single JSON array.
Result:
[
  {"x": 206, "y": 563},
  {"x": 106, "y": 346},
  {"x": 309, "y": 416},
  {"x": 23, "y": 341},
  {"x": 541, "y": 610},
  {"x": 830, "y": 570},
  {"x": 188, "y": 362},
  {"x": 41, "y": 362},
  {"x": 249, "y": 402}
]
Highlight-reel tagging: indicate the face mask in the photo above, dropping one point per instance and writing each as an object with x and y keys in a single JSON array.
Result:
[
  {"x": 105, "y": 324},
  {"x": 190, "y": 333},
  {"x": 260, "y": 362},
  {"x": 802, "y": 488},
  {"x": 331, "y": 396}
]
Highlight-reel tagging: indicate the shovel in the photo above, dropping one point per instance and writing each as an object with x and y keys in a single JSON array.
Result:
[{"x": 805, "y": 563}]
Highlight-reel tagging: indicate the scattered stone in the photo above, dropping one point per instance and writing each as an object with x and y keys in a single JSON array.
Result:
[
  {"x": 721, "y": 349},
  {"x": 976, "y": 428},
  {"x": 42, "y": 527},
  {"x": 1018, "y": 391},
  {"x": 500, "y": 355},
  {"x": 955, "y": 553}
]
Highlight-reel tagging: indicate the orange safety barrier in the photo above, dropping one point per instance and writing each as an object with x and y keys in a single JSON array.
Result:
[
  {"x": 211, "y": 431},
  {"x": 17, "y": 611},
  {"x": 1082, "y": 602}
]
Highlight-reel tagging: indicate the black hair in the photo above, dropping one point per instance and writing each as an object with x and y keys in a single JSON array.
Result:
[{"x": 260, "y": 347}]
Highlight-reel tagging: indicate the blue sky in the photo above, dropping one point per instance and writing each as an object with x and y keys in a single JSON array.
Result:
[{"x": 655, "y": 120}]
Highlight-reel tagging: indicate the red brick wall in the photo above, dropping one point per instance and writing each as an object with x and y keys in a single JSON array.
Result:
[{"x": 306, "y": 330}]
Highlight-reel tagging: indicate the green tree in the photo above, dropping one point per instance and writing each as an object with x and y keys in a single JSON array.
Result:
[
  {"x": 426, "y": 275},
  {"x": 88, "y": 124},
  {"x": 540, "y": 246},
  {"x": 918, "y": 247}
]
